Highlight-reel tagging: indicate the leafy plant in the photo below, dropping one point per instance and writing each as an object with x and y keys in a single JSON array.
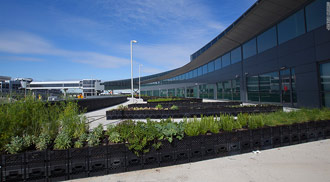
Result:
[
  {"x": 170, "y": 131},
  {"x": 93, "y": 138},
  {"x": 80, "y": 142},
  {"x": 255, "y": 121},
  {"x": 122, "y": 107},
  {"x": 29, "y": 140},
  {"x": 113, "y": 135},
  {"x": 159, "y": 106},
  {"x": 243, "y": 119},
  {"x": 174, "y": 107},
  {"x": 192, "y": 127},
  {"x": 42, "y": 141},
  {"x": 62, "y": 141},
  {"x": 227, "y": 122},
  {"x": 16, "y": 145}
]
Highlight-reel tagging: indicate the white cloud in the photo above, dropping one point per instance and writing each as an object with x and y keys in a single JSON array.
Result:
[
  {"x": 168, "y": 56},
  {"x": 26, "y": 43},
  {"x": 20, "y": 58}
]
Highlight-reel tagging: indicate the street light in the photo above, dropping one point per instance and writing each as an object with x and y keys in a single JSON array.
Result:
[
  {"x": 132, "y": 41},
  {"x": 140, "y": 80}
]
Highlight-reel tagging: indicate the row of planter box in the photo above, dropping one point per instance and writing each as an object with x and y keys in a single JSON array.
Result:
[
  {"x": 182, "y": 100},
  {"x": 187, "y": 104},
  {"x": 92, "y": 104},
  {"x": 187, "y": 112},
  {"x": 77, "y": 163}
]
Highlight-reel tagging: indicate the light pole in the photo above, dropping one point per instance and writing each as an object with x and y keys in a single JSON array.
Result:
[
  {"x": 140, "y": 80},
  {"x": 132, "y": 41}
]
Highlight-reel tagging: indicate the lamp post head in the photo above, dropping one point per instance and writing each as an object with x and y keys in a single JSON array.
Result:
[{"x": 133, "y": 41}]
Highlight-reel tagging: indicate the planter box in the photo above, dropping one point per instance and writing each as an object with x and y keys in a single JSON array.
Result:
[
  {"x": 59, "y": 165},
  {"x": 13, "y": 167},
  {"x": 98, "y": 161},
  {"x": 185, "y": 112},
  {"x": 36, "y": 169}
]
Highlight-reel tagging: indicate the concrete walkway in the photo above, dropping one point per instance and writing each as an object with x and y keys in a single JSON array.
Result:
[
  {"x": 303, "y": 163},
  {"x": 99, "y": 116}
]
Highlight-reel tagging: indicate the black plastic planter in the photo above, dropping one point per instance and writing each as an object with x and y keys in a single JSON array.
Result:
[
  {"x": 13, "y": 167},
  {"x": 36, "y": 165},
  {"x": 98, "y": 160},
  {"x": 116, "y": 158},
  {"x": 133, "y": 162},
  {"x": 151, "y": 159},
  {"x": 58, "y": 166}
]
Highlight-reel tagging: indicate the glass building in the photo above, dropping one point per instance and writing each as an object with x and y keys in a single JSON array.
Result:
[{"x": 276, "y": 52}]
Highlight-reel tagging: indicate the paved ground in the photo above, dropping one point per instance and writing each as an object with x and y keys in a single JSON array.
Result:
[
  {"x": 99, "y": 116},
  {"x": 302, "y": 163}
]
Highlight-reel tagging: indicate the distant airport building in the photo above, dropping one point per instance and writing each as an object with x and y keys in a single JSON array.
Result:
[
  {"x": 10, "y": 86},
  {"x": 87, "y": 87},
  {"x": 278, "y": 52}
]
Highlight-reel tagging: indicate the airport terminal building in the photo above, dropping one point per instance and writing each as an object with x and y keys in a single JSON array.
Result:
[{"x": 277, "y": 52}]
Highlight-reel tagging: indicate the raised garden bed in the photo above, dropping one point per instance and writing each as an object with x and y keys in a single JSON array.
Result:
[
  {"x": 187, "y": 112},
  {"x": 60, "y": 165},
  {"x": 174, "y": 100},
  {"x": 186, "y": 104}
]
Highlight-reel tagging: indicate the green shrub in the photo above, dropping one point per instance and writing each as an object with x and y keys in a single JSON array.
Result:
[
  {"x": 113, "y": 135},
  {"x": 29, "y": 140},
  {"x": 170, "y": 130},
  {"x": 16, "y": 145},
  {"x": 72, "y": 122},
  {"x": 227, "y": 122},
  {"x": 159, "y": 106},
  {"x": 42, "y": 141},
  {"x": 62, "y": 141},
  {"x": 174, "y": 107},
  {"x": 256, "y": 121},
  {"x": 80, "y": 142},
  {"x": 243, "y": 119},
  {"x": 122, "y": 107},
  {"x": 94, "y": 137},
  {"x": 192, "y": 127}
]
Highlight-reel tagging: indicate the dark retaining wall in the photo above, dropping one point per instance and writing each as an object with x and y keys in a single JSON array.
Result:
[
  {"x": 92, "y": 104},
  {"x": 94, "y": 161}
]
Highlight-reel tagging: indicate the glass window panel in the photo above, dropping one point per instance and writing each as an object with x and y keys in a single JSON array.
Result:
[
  {"x": 200, "y": 71},
  {"x": 227, "y": 90},
  {"x": 326, "y": 99},
  {"x": 253, "y": 88},
  {"x": 194, "y": 73},
  {"x": 236, "y": 87},
  {"x": 226, "y": 60},
  {"x": 220, "y": 90},
  {"x": 267, "y": 40},
  {"x": 325, "y": 76},
  {"x": 210, "y": 66},
  {"x": 210, "y": 91},
  {"x": 156, "y": 93},
  {"x": 269, "y": 87},
  {"x": 293, "y": 85},
  {"x": 171, "y": 92},
  {"x": 204, "y": 69},
  {"x": 236, "y": 55},
  {"x": 316, "y": 14},
  {"x": 218, "y": 63},
  {"x": 291, "y": 27},
  {"x": 250, "y": 48}
]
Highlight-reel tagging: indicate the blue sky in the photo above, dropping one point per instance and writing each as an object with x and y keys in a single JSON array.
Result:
[{"x": 78, "y": 39}]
